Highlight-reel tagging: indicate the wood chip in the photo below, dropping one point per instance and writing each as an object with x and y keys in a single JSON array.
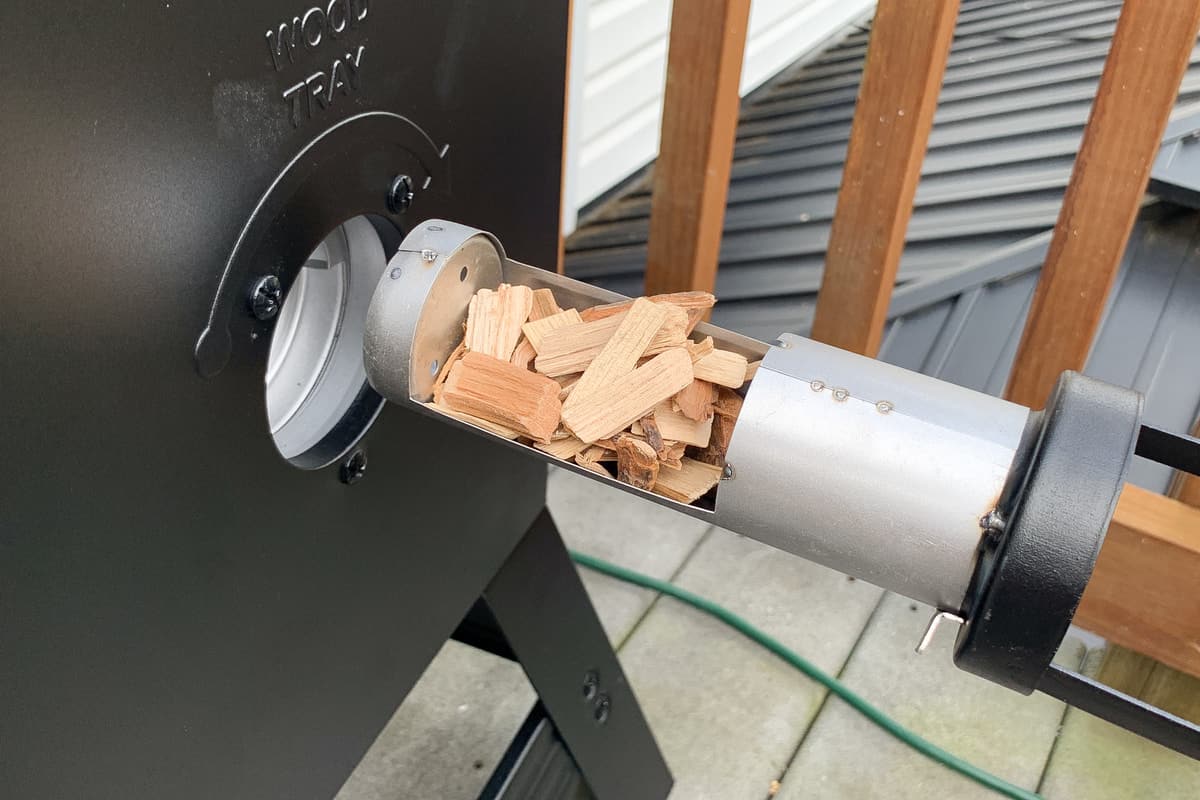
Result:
[
  {"x": 688, "y": 483},
  {"x": 637, "y": 462},
  {"x": 544, "y": 304},
  {"x": 505, "y": 394},
  {"x": 565, "y": 448},
  {"x": 573, "y": 348},
  {"x": 621, "y": 352},
  {"x": 605, "y": 311},
  {"x": 445, "y": 371},
  {"x": 676, "y": 427},
  {"x": 567, "y": 382},
  {"x": 535, "y": 329},
  {"x": 722, "y": 367},
  {"x": 673, "y": 453},
  {"x": 694, "y": 304},
  {"x": 726, "y": 410},
  {"x": 696, "y": 400},
  {"x": 596, "y": 453},
  {"x": 618, "y": 384},
  {"x": 593, "y": 466},
  {"x": 729, "y": 403},
  {"x": 668, "y": 452},
  {"x": 490, "y": 427},
  {"x": 494, "y": 320},
  {"x": 718, "y": 442},
  {"x": 700, "y": 349},
  {"x": 695, "y": 317},
  {"x": 649, "y": 429},
  {"x": 752, "y": 370},
  {"x": 630, "y": 397},
  {"x": 524, "y": 354}
]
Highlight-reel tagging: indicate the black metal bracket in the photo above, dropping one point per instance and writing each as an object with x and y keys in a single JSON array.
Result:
[
  {"x": 1182, "y": 452},
  {"x": 1175, "y": 450},
  {"x": 1121, "y": 709},
  {"x": 1074, "y": 471},
  {"x": 536, "y": 611},
  {"x": 1075, "y": 468}
]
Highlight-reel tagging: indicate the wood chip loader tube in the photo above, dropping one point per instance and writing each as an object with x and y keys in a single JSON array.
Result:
[{"x": 974, "y": 505}]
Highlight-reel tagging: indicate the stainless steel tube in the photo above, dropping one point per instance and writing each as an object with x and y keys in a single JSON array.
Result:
[
  {"x": 868, "y": 468},
  {"x": 873, "y": 470}
]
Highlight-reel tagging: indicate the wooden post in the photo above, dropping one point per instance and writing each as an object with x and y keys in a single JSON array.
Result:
[
  {"x": 1187, "y": 487},
  {"x": 700, "y": 115},
  {"x": 1142, "y": 594},
  {"x": 906, "y": 57},
  {"x": 1149, "y": 54}
]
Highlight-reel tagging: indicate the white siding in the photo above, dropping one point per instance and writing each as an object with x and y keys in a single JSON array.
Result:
[{"x": 618, "y": 65}]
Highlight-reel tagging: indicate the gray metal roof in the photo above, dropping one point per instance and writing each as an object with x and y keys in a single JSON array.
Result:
[
  {"x": 1017, "y": 92},
  {"x": 965, "y": 327},
  {"x": 1175, "y": 174}
]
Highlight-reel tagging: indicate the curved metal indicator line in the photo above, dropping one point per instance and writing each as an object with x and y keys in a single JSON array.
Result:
[{"x": 432, "y": 160}]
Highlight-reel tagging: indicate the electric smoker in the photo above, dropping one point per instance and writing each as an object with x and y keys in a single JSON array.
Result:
[{"x": 225, "y": 558}]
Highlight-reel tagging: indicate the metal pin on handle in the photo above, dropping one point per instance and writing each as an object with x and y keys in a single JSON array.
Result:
[
  {"x": 427, "y": 255},
  {"x": 934, "y": 622}
]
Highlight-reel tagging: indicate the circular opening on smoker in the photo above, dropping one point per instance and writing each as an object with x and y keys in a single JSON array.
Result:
[{"x": 318, "y": 400}]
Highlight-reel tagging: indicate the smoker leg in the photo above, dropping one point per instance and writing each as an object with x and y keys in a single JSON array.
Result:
[{"x": 541, "y": 609}]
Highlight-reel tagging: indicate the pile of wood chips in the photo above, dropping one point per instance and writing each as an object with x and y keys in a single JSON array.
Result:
[{"x": 619, "y": 389}]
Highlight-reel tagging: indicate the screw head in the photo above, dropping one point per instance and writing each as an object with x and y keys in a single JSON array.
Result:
[
  {"x": 266, "y": 297},
  {"x": 591, "y": 685},
  {"x": 400, "y": 194},
  {"x": 601, "y": 709},
  {"x": 353, "y": 468}
]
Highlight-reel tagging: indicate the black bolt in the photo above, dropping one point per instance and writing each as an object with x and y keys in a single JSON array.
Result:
[
  {"x": 400, "y": 194},
  {"x": 265, "y": 297},
  {"x": 591, "y": 684},
  {"x": 602, "y": 708},
  {"x": 354, "y": 467}
]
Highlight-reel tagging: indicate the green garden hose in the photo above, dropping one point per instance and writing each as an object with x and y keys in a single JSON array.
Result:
[{"x": 921, "y": 745}]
